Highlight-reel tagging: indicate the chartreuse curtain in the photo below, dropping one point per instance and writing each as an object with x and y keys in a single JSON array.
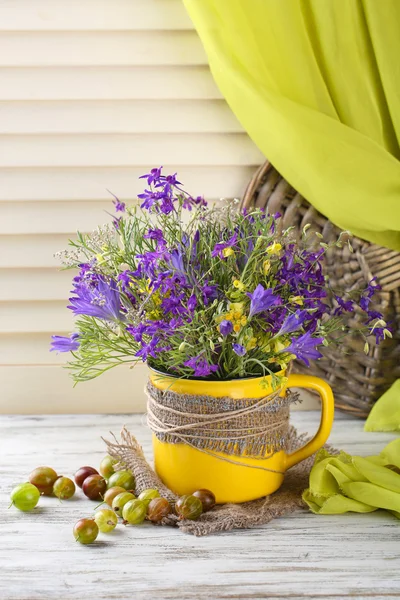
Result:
[{"x": 316, "y": 84}]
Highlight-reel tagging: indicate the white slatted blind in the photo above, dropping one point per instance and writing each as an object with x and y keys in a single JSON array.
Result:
[{"x": 92, "y": 94}]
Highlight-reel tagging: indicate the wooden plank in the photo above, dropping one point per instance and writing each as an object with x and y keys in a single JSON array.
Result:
[
  {"x": 49, "y": 389},
  {"x": 32, "y": 317},
  {"x": 128, "y": 150},
  {"x": 87, "y": 48},
  {"x": 107, "y": 83},
  {"x": 29, "y": 349},
  {"x": 78, "y": 184},
  {"x": 52, "y": 217},
  {"x": 35, "y": 284},
  {"x": 93, "y": 15},
  {"x": 26, "y": 218},
  {"x": 298, "y": 556},
  {"x": 36, "y": 251},
  {"x": 117, "y": 116}
]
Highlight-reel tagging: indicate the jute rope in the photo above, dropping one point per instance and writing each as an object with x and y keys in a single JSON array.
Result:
[
  {"x": 248, "y": 427},
  {"x": 223, "y": 517}
]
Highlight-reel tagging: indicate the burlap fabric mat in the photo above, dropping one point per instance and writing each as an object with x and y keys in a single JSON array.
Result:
[{"x": 223, "y": 517}]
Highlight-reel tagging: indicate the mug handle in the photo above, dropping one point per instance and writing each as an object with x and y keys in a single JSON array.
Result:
[{"x": 327, "y": 413}]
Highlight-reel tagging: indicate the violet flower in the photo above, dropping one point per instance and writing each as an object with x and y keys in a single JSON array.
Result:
[
  {"x": 153, "y": 176},
  {"x": 225, "y": 327},
  {"x": 155, "y": 234},
  {"x": 261, "y": 300},
  {"x": 119, "y": 206},
  {"x": 100, "y": 299},
  {"x": 209, "y": 293},
  {"x": 149, "y": 349},
  {"x": 293, "y": 322},
  {"x": 192, "y": 303},
  {"x": 343, "y": 306},
  {"x": 239, "y": 349},
  {"x": 367, "y": 294},
  {"x": 64, "y": 344},
  {"x": 221, "y": 246},
  {"x": 304, "y": 348},
  {"x": 200, "y": 366}
]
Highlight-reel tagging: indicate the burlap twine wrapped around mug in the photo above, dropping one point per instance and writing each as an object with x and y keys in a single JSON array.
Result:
[{"x": 254, "y": 427}]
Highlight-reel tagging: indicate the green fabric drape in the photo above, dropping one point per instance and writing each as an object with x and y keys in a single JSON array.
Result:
[
  {"x": 316, "y": 84},
  {"x": 343, "y": 483}
]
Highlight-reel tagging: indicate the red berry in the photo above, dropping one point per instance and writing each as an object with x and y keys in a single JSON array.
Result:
[{"x": 82, "y": 473}]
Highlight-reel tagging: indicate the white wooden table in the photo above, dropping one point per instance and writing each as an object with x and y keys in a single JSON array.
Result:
[{"x": 300, "y": 556}]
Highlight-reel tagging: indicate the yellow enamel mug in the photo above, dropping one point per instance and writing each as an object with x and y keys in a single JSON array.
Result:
[{"x": 185, "y": 469}]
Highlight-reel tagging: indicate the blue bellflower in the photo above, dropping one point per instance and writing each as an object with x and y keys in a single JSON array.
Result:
[
  {"x": 225, "y": 327},
  {"x": 293, "y": 322},
  {"x": 304, "y": 348},
  {"x": 239, "y": 349},
  {"x": 200, "y": 366},
  {"x": 64, "y": 344},
  {"x": 261, "y": 300},
  {"x": 101, "y": 299}
]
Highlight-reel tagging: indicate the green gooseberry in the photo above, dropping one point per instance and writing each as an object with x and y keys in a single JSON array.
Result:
[{"x": 25, "y": 496}]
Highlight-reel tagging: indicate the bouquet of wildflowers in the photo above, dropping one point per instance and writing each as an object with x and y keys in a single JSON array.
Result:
[{"x": 201, "y": 292}]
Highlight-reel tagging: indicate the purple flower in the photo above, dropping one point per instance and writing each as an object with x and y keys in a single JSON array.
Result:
[
  {"x": 188, "y": 203},
  {"x": 226, "y": 328},
  {"x": 149, "y": 349},
  {"x": 209, "y": 293},
  {"x": 64, "y": 344},
  {"x": 149, "y": 261},
  {"x": 192, "y": 303},
  {"x": 304, "y": 348},
  {"x": 119, "y": 206},
  {"x": 155, "y": 234},
  {"x": 173, "y": 304},
  {"x": 200, "y": 366},
  {"x": 293, "y": 322},
  {"x": 177, "y": 260},
  {"x": 160, "y": 200},
  {"x": 99, "y": 299},
  {"x": 153, "y": 176},
  {"x": 367, "y": 294},
  {"x": 170, "y": 180},
  {"x": 137, "y": 331},
  {"x": 221, "y": 246},
  {"x": 199, "y": 201},
  {"x": 239, "y": 349},
  {"x": 344, "y": 306},
  {"x": 261, "y": 300},
  {"x": 379, "y": 333}
]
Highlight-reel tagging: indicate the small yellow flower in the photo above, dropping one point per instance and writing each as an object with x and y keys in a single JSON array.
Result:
[
  {"x": 274, "y": 248},
  {"x": 227, "y": 252},
  {"x": 252, "y": 343},
  {"x": 228, "y": 317},
  {"x": 236, "y": 328},
  {"x": 297, "y": 300},
  {"x": 155, "y": 315},
  {"x": 243, "y": 320},
  {"x": 237, "y": 315},
  {"x": 100, "y": 259},
  {"x": 266, "y": 267},
  {"x": 236, "y": 307},
  {"x": 278, "y": 346},
  {"x": 239, "y": 285}
]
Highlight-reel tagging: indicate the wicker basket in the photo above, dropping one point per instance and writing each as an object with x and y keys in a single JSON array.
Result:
[{"x": 357, "y": 379}]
